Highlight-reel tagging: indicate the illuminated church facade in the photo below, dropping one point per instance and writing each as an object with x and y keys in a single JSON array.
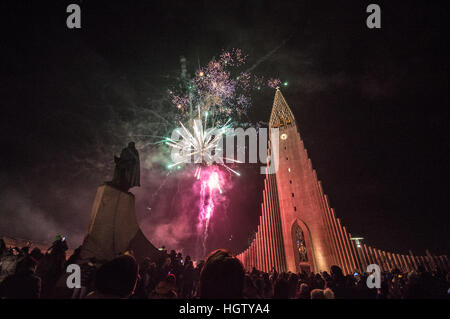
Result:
[{"x": 298, "y": 230}]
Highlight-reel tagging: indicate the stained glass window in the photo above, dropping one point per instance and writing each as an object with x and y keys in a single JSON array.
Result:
[{"x": 300, "y": 244}]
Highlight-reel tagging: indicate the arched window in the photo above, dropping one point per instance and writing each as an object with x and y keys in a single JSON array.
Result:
[{"x": 299, "y": 243}]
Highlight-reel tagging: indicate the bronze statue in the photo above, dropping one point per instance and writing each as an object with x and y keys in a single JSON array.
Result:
[{"x": 127, "y": 170}]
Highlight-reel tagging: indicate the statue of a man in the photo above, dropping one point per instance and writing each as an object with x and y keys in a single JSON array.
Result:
[{"x": 127, "y": 171}]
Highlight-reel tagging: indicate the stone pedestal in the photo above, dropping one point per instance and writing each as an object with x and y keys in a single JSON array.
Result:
[{"x": 113, "y": 228}]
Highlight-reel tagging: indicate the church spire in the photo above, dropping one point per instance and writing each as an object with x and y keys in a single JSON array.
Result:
[{"x": 281, "y": 113}]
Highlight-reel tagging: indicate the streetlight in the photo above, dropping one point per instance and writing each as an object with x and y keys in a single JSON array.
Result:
[{"x": 357, "y": 241}]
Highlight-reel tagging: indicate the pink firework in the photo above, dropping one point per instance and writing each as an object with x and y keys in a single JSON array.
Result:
[
  {"x": 222, "y": 87},
  {"x": 274, "y": 83},
  {"x": 210, "y": 188}
]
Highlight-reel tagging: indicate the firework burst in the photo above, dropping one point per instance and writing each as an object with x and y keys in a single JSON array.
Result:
[{"x": 207, "y": 107}]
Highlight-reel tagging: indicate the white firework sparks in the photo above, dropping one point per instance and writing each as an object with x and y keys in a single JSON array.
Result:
[{"x": 201, "y": 144}]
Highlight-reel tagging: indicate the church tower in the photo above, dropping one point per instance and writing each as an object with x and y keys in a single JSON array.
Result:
[
  {"x": 298, "y": 230},
  {"x": 305, "y": 235}
]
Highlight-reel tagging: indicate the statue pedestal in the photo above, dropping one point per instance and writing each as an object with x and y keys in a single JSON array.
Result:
[{"x": 113, "y": 228}]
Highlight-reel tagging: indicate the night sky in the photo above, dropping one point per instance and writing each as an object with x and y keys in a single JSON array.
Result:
[{"x": 371, "y": 106}]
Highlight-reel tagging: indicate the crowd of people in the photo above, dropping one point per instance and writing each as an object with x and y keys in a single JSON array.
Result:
[{"x": 35, "y": 274}]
